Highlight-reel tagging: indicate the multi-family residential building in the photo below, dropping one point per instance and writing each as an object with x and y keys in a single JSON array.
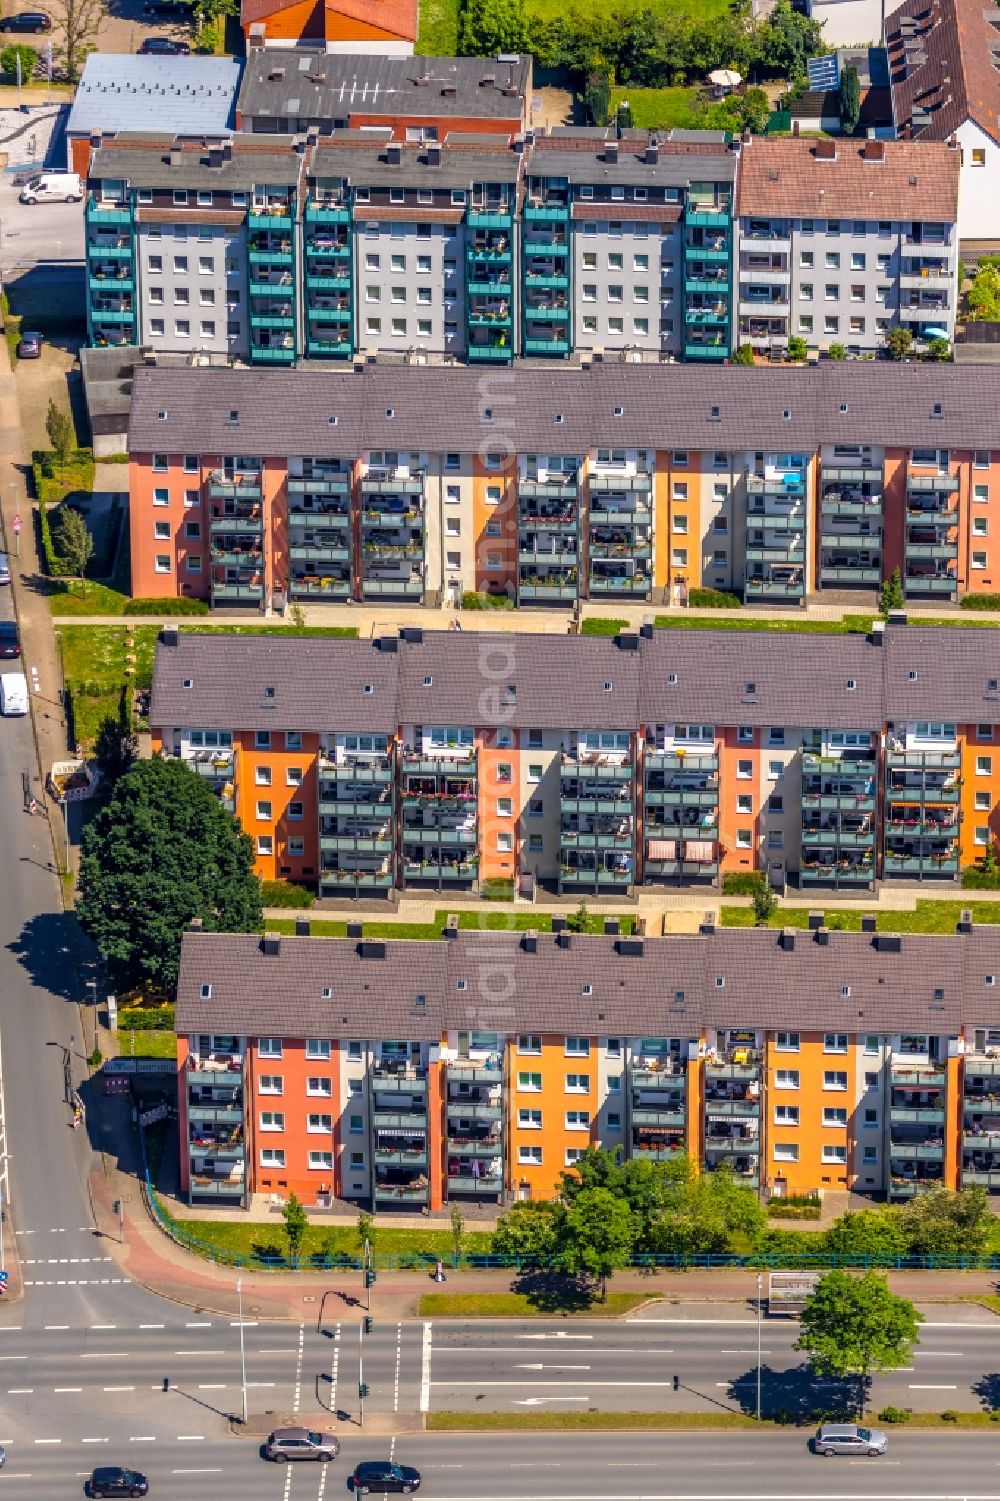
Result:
[
  {"x": 288, "y": 91},
  {"x": 481, "y": 1066},
  {"x": 638, "y": 482},
  {"x": 588, "y": 766},
  {"x": 942, "y": 67},
  {"x": 839, "y": 240}
]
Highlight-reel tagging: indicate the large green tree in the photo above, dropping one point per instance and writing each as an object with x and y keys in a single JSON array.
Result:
[
  {"x": 595, "y": 1235},
  {"x": 710, "y": 1212},
  {"x": 849, "y": 99},
  {"x": 71, "y": 540},
  {"x": 875, "y": 1233},
  {"x": 854, "y": 1326},
  {"x": 162, "y": 851},
  {"x": 528, "y": 1231},
  {"x": 943, "y": 1222}
]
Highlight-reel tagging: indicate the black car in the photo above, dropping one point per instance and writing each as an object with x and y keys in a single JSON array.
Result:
[
  {"x": 113, "y": 1480},
  {"x": 27, "y": 20},
  {"x": 380, "y": 1475},
  {"x": 10, "y": 643},
  {"x": 163, "y": 46}
]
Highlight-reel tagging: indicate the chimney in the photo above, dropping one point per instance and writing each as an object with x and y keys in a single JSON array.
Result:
[
  {"x": 369, "y": 949},
  {"x": 529, "y": 941},
  {"x": 612, "y": 927},
  {"x": 897, "y": 617},
  {"x": 815, "y": 921},
  {"x": 953, "y": 143},
  {"x": 887, "y": 943},
  {"x": 393, "y": 153},
  {"x": 611, "y": 152},
  {"x": 387, "y": 643},
  {"x": 227, "y": 151},
  {"x": 564, "y": 939},
  {"x": 271, "y": 944},
  {"x": 873, "y": 151},
  {"x": 630, "y": 948},
  {"x": 299, "y": 145},
  {"x": 95, "y": 140},
  {"x": 558, "y": 922},
  {"x": 646, "y": 630},
  {"x": 877, "y": 637},
  {"x": 869, "y": 922},
  {"x": 652, "y": 152},
  {"x": 176, "y": 156},
  {"x": 303, "y": 927},
  {"x": 196, "y": 925},
  {"x": 312, "y": 136},
  {"x": 354, "y": 930},
  {"x": 215, "y": 157},
  {"x": 451, "y": 926},
  {"x": 825, "y": 151},
  {"x": 964, "y": 924},
  {"x": 627, "y": 641},
  {"x": 170, "y": 635},
  {"x": 788, "y": 940},
  {"x": 822, "y": 936},
  {"x": 414, "y": 634},
  {"x": 433, "y": 153},
  {"x": 707, "y": 928}
]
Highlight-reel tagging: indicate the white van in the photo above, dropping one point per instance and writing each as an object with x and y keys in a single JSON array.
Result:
[
  {"x": 13, "y": 693},
  {"x": 53, "y": 187}
]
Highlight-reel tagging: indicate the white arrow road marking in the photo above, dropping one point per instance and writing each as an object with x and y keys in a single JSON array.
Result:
[
  {"x": 537, "y": 1401},
  {"x": 561, "y": 1334},
  {"x": 556, "y": 1366}
]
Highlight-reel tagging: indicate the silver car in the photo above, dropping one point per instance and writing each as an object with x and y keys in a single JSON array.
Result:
[
  {"x": 300, "y": 1443},
  {"x": 849, "y": 1438}
]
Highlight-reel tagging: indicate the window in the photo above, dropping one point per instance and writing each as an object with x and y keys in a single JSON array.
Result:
[
  {"x": 984, "y": 766},
  {"x": 870, "y": 1155},
  {"x": 834, "y": 1154},
  {"x": 530, "y": 1156},
  {"x": 529, "y": 1083},
  {"x": 270, "y": 1084},
  {"x": 316, "y": 1084},
  {"x": 984, "y": 801},
  {"x": 321, "y": 1162},
  {"x": 577, "y": 1083},
  {"x": 786, "y": 1078},
  {"x": 272, "y": 1157},
  {"x": 981, "y": 834},
  {"x": 265, "y": 844},
  {"x": 262, "y": 776},
  {"x": 317, "y": 1048},
  {"x": 529, "y": 1120},
  {"x": 269, "y": 1047},
  {"x": 263, "y": 812},
  {"x": 162, "y": 562},
  {"x": 744, "y": 770},
  {"x": 786, "y": 1151},
  {"x": 744, "y": 802},
  {"x": 834, "y": 1115},
  {"x": 786, "y": 1115},
  {"x": 505, "y": 843},
  {"x": 979, "y": 560},
  {"x": 871, "y": 1080},
  {"x": 787, "y": 1042},
  {"x": 578, "y": 1120},
  {"x": 316, "y": 1123},
  {"x": 835, "y": 1042},
  {"x": 354, "y": 1050},
  {"x": 833, "y": 1079},
  {"x": 578, "y": 1047},
  {"x": 871, "y": 1119},
  {"x": 272, "y": 1120},
  {"x": 744, "y": 839},
  {"x": 161, "y": 531},
  {"x": 529, "y": 1044},
  {"x": 262, "y": 740}
]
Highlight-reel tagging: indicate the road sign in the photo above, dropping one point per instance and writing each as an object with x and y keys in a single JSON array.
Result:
[
  {"x": 3, "y": 1281},
  {"x": 16, "y": 523}
]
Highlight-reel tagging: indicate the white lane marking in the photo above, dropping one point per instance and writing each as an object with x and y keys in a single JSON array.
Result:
[
  {"x": 425, "y": 1370},
  {"x": 199, "y": 1324},
  {"x": 477, "y": 1384},
  {"x": 738, "y": 1352},
  {"x": 199, "y": 1352},
  {"x": 942, "y": 1354},
  {"x": 203, "y": 1471},
  {"x": 297, "y": 1398},
  {"x": 57, "y": 1326},
  {"x": 142, "y": 1438},
  {"x": 120, "y": 1388},
  {"x": 141, "y": 1326},
  {"x": 914, "y": 1387},
  {"x": 399, "y": 1356},
  {"x": 190, "y": 1438},
  {"x": 556, "y": 1365},
  {"x": 95, "y": 1441},
  {"x": 58, "y": 1389},
  {"x": 105, "y": 1355},
  {"x": 235, "y": 1324},
  {"x": 211, "y": 1386},
  {"x": 561, "y": 1334},
  {"x": 20, "y": 1391},
  {"x": 13, "y": 1357},
  {"x": 260, "y": 1383},
  {"x": 48, "y": 1440},
  {"x": 115, "y": 1326}
]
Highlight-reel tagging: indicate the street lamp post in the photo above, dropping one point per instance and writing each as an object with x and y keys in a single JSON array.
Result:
[
  {"x": 760, "y": 1301},
  {"x": 62, "y": 674},
  {"x": 243, "y": 1350}
]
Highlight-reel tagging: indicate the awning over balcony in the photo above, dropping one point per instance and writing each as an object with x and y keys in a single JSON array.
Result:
[
  {"x": 663, "y": 849},
  {"x": 702, "y": 851}
]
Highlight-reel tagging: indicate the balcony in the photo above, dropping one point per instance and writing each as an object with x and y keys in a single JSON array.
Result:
[
  {"x": 326, "y": 213},
  {"x": 215, "y": 1115},
  {"x": 558, "y": 344},
  {"x": 341, "y": 883},
  {"x": 277, "y": 219},
  {"x": 439, "y": 871},
  {"x": 905, "y": 1075},
  {"x": 489, "y": 1185},
  {"x": 102, "y": 214},
  {"x": 596, "y": 877},
  {"x": 458, "y": 1109},
  {"x": 542, "y": 249},
  {"x": 465, "y": 1071},
  {"x": 411, "y": 1157},
  {"x": 398, "y": 1195},
  {"x": 546, "y": 281},
  {"x": 498, "y": 217},
  {"x": 792, "y": 587}
]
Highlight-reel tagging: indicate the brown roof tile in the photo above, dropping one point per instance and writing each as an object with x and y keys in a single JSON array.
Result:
[
  {"x": 788, "y": 178},
  {"x": 941, "y": 59}
]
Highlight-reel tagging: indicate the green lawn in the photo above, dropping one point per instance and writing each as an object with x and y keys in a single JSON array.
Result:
[
  {"x": 437, "y": 30},
  {"x": 683, "y": 620},
  {"x": 522, "y": 1305},
  {"x": 94, "y": 669},
  {"x": 492, "y": 921},
  {"x": 929, "y": 917},
  {"x": 443, "y": 1421},
  {"x": 146, "y": 1044},
  {"x": 69, "y": 597},
  {"x": 694, "y": 10},
  {"x": 321, "y": 1239},
  {"x": 660, "y": 108}
]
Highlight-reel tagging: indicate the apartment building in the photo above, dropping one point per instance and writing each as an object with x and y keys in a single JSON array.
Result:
[
  {"x": 479, "y": 1067},
  {"x": 551, "y": 486},
  {"x": 942, "y": 75},
  {"x": 292, "y": 90},
  {"x": 840, "y": 240},
  {"x": 590, "y": 766}
]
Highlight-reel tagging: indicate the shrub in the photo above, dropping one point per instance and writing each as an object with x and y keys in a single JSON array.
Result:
[
  {"x": 981, "y": 880},
  {"x": 285, "y": 894},
  {"x": 167, "y": 607},
  {"x": 893, "y": 1415},
  {"x": 741, "y": 882},
  {"x": 981, "y": 602},
  {"x": 743, "y": 355},
  {"x": 714, "y": 599},
  {"x": 498, "y": 889},
  {"x": 782, "y": 1209},
  {"x": 837, "y": 352},
  {"x": 481, "y": 601},
  {"x": 29, "y": 61},
  {"x": 949, "y": 1415},
  {"x": 797, "y": 348},
  {"x": 146, "y": 1019}
]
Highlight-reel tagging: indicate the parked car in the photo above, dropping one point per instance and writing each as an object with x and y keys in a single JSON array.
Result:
[
  {"x": 29, "y": 347},
  {"x": 4, "y": 568},
  {"x": 10, "y": 642},
  {"x": 113, "y": 1480},
  {"x": 849, "y": 1438},
  {"x": 13, "y": 694},
  {"x": 27, "y": 20},
  {"x": 167, "y": 10},
  {"x": 52, "y": 187},
  {"x": 163, "y": 46},
  {"x": 380, "y": 1475},
  {"x": 300, "y": 1443}
]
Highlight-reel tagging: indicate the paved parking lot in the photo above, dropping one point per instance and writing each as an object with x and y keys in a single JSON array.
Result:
[
  {"x": 53, "y": 377},
  {"x": 121, "y": 29}
]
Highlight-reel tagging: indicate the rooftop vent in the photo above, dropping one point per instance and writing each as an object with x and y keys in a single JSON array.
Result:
[
  {"x": 630, "y": 948},
  {"x": 303, "y": 927},
  {"x": 888, "y": 943},
  {"x": 565, "y": 939},
  {"x": 869, "y": 922},
  {"x": 787, "y": 940},
  {"x": 370, "y": 949},
  {"x": 822, "y": 936},
  {"x": 611, "y": 152},
  {"x": 451, "y": 927},
  {"x": 271, "y": 944}
]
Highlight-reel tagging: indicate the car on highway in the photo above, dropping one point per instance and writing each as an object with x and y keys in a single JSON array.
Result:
[
  {"x": 115, "y": 1480},
  {"x": 27, "y": 20},
  {"x": 163, "y": 46},
  {"x": 4, "y": 568},
  {"x": 300, "y": 1443},
  {"x": 10, "y": 642},
  {"x": 381, "y": 1475},
  {"x": 849, "y": 1438},
  {"x": 29, "y": 346}
]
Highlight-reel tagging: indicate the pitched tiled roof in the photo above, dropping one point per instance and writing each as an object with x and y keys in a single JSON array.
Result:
[
  {"x": 941, "y": 62},
  {"x": 396, "y": 16},
  {"x": 851, "y": 983},
  {"x": 213, "y": 681},
  {"x": 788, "y": 178},
  {"x": 549, "y": 410}
]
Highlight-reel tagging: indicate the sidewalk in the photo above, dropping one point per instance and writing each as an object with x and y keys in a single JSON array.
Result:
[{"x": 152, "y": 1259}]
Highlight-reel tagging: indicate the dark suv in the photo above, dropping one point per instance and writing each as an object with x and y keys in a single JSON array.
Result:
[
  {"x": 380, "y": 1475},
  {"x": 10, "y": 642},
  {"x": 113, "y": 1480}
]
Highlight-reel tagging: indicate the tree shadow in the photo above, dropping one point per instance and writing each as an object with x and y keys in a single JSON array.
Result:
[
  {"x": 555, "y": 1292},
  {"x": 987, "y": 1389},
  {"x": 52, "y": 949},
  {"x": 796, "y": 1395}
]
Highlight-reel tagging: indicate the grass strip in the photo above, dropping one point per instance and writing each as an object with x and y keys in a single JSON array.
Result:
[{"x": 522, "y": 1305}]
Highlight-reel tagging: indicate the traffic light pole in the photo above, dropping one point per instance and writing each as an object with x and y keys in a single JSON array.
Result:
[{"x": 362, "y": 1389}]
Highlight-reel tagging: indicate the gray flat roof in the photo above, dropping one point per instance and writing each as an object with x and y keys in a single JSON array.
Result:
[
  {"x": 324, "y": 86},
  {"x": 149, "y": 167},
  {"x": 173, "y": 95},
  {"x": 370, "y": 165}
]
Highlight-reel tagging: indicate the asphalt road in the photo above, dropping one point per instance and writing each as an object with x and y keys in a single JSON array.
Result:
[{"x": 529, "y": 1467}]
